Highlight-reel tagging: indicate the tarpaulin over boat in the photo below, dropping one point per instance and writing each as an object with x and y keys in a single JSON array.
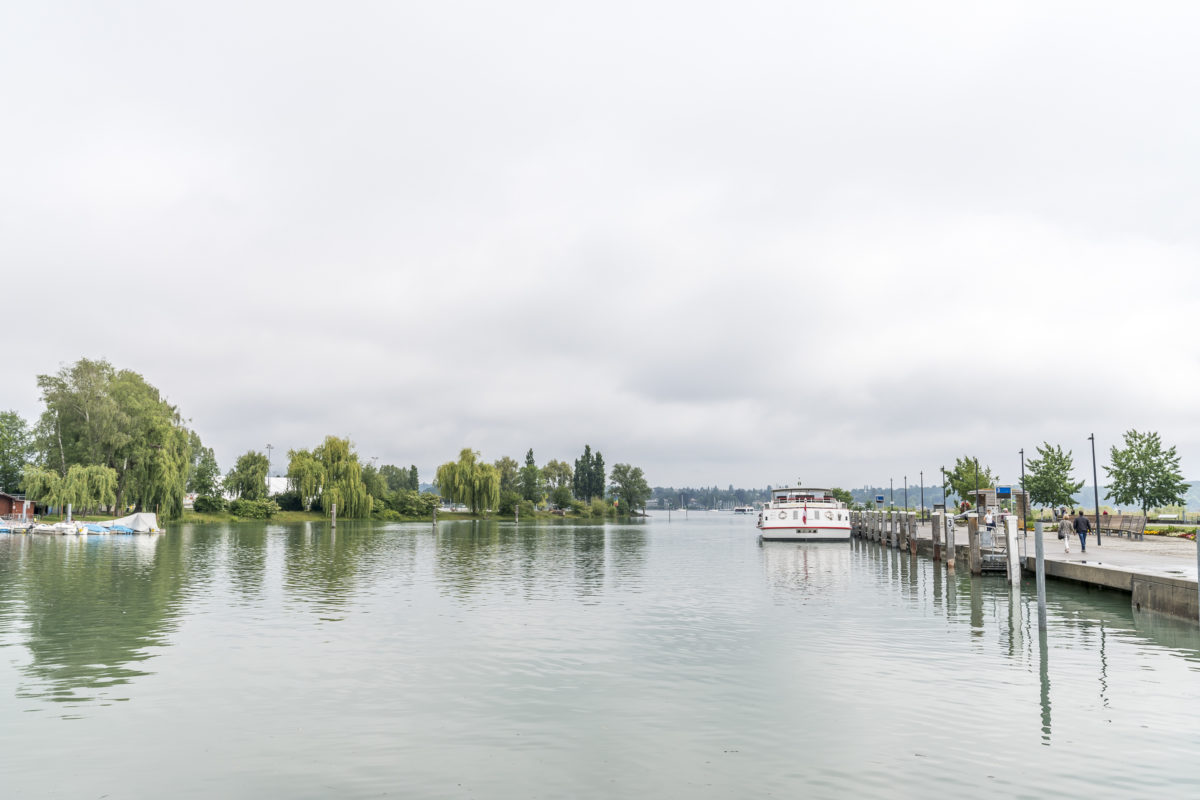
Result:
[{"x": 138, "y": 523}]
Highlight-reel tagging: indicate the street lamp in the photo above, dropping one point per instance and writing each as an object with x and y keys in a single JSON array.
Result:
[
  {"x": 1095, "y": 487},
  {"x": 1023, "y": 521},
  {"x": 270, "y": 447},
  {"x": 906, "y": 494},
  {"x": 891, "y": 493},
  {"x": 922, "y": 474}
]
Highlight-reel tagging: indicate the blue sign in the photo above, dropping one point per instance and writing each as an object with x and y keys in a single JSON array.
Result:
[
  {"x": 878, "y": 498},
  {"x": 1003, "y": 491}
]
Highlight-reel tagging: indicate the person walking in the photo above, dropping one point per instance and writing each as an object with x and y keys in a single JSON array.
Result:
[
  {"x": 1082, "y": 526},
  {"x": 1065, "y": 529}
]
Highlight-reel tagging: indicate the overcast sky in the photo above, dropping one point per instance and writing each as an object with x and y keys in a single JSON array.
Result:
[{"x": 740, "y": 243}]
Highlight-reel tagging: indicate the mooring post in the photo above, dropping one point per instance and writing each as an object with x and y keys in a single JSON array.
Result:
[
  {"x": 951, "y": 544},
  {"x": 333, "y": 515},
  {"x": 1014, "y": 558},
  {"x": 1039, "y": 550},
  {"x": 974, "y": 554},
  {"x": 935, "y": 532},
  {"x": 912, "y": 533}
]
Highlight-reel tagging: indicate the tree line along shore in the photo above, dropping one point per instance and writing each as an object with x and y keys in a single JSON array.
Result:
[{"x": 108, "y": 440}]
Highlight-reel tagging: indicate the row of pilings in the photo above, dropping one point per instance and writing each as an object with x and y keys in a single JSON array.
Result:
[{"x": 901, "y": 530}]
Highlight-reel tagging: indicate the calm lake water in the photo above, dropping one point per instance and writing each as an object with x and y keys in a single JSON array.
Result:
[{"x": 486, "y": 660}]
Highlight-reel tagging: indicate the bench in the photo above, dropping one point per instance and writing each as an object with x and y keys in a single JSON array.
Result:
[{"x": 1132, "y": 526}]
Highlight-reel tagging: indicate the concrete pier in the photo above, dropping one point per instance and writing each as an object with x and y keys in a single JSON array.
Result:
[{"x": 1159, "y": 572}]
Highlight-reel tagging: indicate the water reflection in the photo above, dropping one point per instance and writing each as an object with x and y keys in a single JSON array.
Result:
[
  {"x": 89, "y": 610},
  {"x": 1001, "y": 619}
]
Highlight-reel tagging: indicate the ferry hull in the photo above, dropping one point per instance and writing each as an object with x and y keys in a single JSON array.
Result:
[{"x": 805, "y": 534}]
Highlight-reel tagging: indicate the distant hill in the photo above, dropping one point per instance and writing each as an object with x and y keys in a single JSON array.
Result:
[{"x": 1086, "y": 496}]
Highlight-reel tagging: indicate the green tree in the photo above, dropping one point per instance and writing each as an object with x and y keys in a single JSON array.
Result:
[
  {"x": 395, "y": 477},
  {"x": 341, "y": 479},
  {"x": 470, "y": 482},
  {"x": 305, "y": 475},
  {"x": 509, "y": 471},
  {"x": 1048, "y": 480},
  {"x": 248, "y": 478},
  {"x": 561, "y": 496},
  {"x": 96, "y": 415},
  {"x": 1143, "y": 474},
  {"x": 414, "y": 480},
  {"x": 962, "y": 478},
  {"x": 596, "y": 482},
  {"x": 43, "y": 486},
  {"x": 589, "y": 475},
  {"x": 16, "y": 449},
  {"x": 557, "y": 473},
  {"x": 374, "y": 481},
  {"x": 630, "y": 487},
  {"x": 205, "y": 477},
  {"x": 531, "y": 479},
  {"x": 841, "y": 495},
  {"x": 89, "y": 488}
]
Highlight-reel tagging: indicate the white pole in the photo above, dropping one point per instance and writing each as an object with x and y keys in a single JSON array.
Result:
[{"x": 1040, "y": 559}]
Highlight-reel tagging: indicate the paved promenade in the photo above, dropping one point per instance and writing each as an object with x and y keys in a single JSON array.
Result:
[
  {"x": 1159, "y": 572},
  {"x": 1161, "y": 555}
]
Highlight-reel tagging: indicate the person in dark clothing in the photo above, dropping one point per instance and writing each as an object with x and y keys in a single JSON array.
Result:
[{"x": 1082, "y": 526}]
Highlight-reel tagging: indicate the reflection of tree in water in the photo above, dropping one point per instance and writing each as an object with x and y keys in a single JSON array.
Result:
[
  {"x": 589, "y": 561},
  {"x": 95, "y": 606},
  {"x": 324, "y": 565},
  {"x": 246, "y": 561},
  {"x": 540, "y": 561}
]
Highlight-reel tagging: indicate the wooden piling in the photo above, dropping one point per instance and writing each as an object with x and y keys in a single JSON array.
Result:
[
  {"x": 912, "y": 533},
  {"x": 935, "y": 531},
  {"x": 975, "y": 555}
]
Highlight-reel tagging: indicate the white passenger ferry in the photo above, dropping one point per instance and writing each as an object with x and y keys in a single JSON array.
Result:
[{"x": 798, "y": 514}]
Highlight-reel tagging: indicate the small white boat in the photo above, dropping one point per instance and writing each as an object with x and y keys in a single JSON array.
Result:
[
  {"x": 58, "y": 528},
  {"x": 798, "y": 514}
]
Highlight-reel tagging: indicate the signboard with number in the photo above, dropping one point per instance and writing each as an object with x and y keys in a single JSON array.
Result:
[{"x": 1003, "y": 492}]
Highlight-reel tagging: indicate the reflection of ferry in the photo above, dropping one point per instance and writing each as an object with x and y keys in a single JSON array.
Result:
[
  {"x": 743, "y": 509},
  {"x": 804, "y": 515}
]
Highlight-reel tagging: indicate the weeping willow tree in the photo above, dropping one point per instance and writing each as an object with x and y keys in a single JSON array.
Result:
[
  {"x": 470, "y": 482},
  {"x": 84, "y": 488},
  {"x": 42, "y": 486},
  {"x": 305, "y": 474},
  {"x": 341, "y": 479},
  {"x": 90, "y": 488}
]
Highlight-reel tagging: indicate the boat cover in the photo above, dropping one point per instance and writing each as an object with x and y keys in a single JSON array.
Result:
[{"x": 139, "y": 523}]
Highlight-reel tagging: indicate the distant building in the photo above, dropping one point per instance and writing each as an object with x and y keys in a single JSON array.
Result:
[{"x": 14, "y": 504}]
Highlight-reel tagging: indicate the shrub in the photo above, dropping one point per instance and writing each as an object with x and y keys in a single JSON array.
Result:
[
  {"x": 508, "y": 504},
  {"x": 599, "y": 508},
  {"x": 561, "y": 497},
  {"x": 289, "y": 501},
  {"x": 254, "y": 509},
  {"x": 209, "y": 505},
  {"x": 527, "y": 509},
  {"x": 578, "y": 507}
]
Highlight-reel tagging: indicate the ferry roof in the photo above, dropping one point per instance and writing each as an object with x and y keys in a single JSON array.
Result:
[{"x": 806, "y": 489}]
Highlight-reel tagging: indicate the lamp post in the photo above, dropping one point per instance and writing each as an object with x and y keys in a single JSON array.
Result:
[
  {"x": 270, "y": 447},
  {"x": 1022, "y": 451},
  {"x": 891, "y": 493},
  {"x": 905, "y": 494},
  {"x": 976, "y": 484},
  {"x": 945, "y": 494},
  {"x": 922, "y": 474},
  {"x": 1095, "y": 487}
]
